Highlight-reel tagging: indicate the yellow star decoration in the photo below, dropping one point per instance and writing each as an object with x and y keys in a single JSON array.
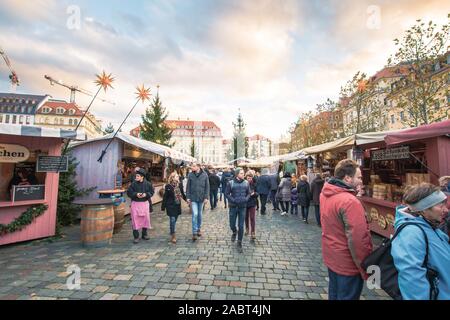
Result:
[
  {"x": 104, "y": 80},
  {"x": 143, "y": 93}
]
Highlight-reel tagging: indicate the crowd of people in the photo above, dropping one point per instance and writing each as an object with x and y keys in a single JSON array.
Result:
[{"x": 346, "y": 238}]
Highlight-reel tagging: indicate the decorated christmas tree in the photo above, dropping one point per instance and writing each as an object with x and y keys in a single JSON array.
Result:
[{"x": 153, "y": 127}]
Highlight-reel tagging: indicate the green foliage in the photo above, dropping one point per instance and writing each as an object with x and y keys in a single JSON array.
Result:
[
  {"x": 193, "y": 149},
  {"x": 240, "y": 143},
  {"x": 421, "y": 48},
  {"x": 67, "y": 211},
  {"x": 24, "y": 220},
  {"x": 153, "y": 127}
]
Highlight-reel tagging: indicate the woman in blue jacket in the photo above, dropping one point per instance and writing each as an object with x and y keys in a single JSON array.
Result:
[{"x": 426, "y": 208}]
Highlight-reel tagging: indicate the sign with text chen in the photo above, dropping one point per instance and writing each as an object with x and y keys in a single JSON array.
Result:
[
  {"x": 391, "y": 154},
  {"x": 52, "y": 164},
  {"x": 13, "y": 153}
]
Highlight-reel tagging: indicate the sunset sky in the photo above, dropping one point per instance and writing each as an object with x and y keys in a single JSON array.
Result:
[{"x": 272, "y": 59}]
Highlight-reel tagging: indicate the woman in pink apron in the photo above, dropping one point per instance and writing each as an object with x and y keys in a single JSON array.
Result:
[{"x": 140, "y": 192}]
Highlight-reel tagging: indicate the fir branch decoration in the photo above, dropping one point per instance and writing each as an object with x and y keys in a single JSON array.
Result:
[{"x": 24, "y": 220}]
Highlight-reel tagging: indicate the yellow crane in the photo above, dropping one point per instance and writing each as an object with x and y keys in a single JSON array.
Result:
[{"x": 74, "y": 89}]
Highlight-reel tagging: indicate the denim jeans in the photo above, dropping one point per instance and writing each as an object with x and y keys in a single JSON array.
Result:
[
  {"x": 225, "y": 200},
  {"x": 239, "y": 215},
  {"x": 213, "y": 198},
  {"x": 317, "y": 211},
  {"x": 173, "y": 222},
  {"x": 305, "y": 212},
  {"x": 197, "y": 209},
  {"x": 344, "y": 287},
  {"x": 294, "y": 209}
]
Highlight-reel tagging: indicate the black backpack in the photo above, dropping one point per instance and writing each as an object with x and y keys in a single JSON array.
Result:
[{"x": 382, "y": 258}]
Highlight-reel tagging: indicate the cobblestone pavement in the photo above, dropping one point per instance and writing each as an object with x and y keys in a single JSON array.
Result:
[{"x": 285, "y": 262}]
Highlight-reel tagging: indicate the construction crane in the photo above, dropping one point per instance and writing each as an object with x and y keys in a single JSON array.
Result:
[
  {"x": 13, "y": 76},
  {"x": 74, "y": 89}
]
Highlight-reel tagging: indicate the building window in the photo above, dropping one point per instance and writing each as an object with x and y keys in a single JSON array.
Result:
[
  {"x": 75, "y": 122},
  {"x": 28, "y": 120},
  {"x": 16, "y": 109},
  {"x": 392, "y": 118},
  {"x": 60, "y": 110},
  {"x": 23, "y": 109},
  {"x": 55, "y": 121},
  {"x": 7, "y": 118},
  {"x": 30, "y": 109},
  {"x": 1, "y": 118},
  {"x": 61, "y": 121},
  {"x": 14, "y": 119},
  {"x": 21, "y": 119},
  {"x": 70, "y": 122}
]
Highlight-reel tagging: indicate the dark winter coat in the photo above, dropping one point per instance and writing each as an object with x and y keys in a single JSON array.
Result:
[
  {"x": 197, "y": 189},
  {"x": 263, "y": 185},
  {"x": 172, "y": 208},
  {"x": 316, "y": 189},
  {"x": 140, "y": 187},
  {"x": 285, "y": 189},
  {"x": 304, "y": 193},
  {"x": 252, "y": 202},
  {"x": 226, "y": 177},
  {"x": 238, "y": 193},
  {"x": 294, "y": 197},
  {"x": 274, "y": 182},
  {"x": 214, "y": 182}
]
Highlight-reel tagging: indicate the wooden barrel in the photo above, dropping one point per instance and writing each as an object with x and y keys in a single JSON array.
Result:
[
  {"x": 97, "y": 224},
  {"x": 119, "y": 217}
]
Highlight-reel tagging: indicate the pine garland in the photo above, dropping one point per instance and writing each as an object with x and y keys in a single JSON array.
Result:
[{"x": 24, "y": 220}]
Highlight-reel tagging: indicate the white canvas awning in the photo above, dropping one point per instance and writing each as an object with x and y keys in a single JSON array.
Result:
[
  {"x": 150, "y": 146},
  {"x": 37, "y": 131}
]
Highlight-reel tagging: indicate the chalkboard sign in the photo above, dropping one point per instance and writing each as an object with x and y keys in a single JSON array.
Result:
[
  {"x": 52, "y": 164},
  {"x": 26, "y": 193}
]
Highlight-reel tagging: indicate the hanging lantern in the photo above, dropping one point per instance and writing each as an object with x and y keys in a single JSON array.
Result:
[{"x": 358, "y": 155}]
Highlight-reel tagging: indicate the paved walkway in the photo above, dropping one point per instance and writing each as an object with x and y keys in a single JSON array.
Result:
[{"x": 284, "y": 263}]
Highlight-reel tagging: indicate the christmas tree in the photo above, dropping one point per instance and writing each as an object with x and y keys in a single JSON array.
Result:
[
  {"x": 67, "y": 212},
  {"x": 153, "y": 127},
  {"x": 109, "y": 129},
  {"x": 193, "y": 149}
]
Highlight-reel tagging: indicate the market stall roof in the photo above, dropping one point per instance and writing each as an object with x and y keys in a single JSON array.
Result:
[
  {"x": 333, "y": 145},
  {"x": 153, "y": 147},
  {"x": 36, "y": 131},
  {"x": 269, "y": 161},
  {"x": 423, "y": 132}
]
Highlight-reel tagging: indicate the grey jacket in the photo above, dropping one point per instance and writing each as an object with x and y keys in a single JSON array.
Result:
[{"x": 197, "y": 188}]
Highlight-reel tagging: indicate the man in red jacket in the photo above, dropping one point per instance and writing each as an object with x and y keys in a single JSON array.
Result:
[{"x": 346, "y": 239}]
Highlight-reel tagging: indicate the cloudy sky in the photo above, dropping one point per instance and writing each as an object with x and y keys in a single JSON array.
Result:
[{"x": 273, "y": 59}]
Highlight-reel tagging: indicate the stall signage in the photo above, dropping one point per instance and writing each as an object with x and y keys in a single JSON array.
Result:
[
  {"x": 26, "y": 193},
  {"x": 52, "y": 164},
  {"x": 13, "y": 153},
  {"x": 391, "y": 154}
]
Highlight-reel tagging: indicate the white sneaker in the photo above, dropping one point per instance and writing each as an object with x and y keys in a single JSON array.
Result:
[{"x": 283, "y": 213}]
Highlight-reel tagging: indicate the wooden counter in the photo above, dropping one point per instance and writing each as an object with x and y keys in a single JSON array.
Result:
[{"x": 380, "y": 215}]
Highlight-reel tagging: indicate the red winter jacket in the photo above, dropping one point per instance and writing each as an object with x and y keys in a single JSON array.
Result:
[{"x": 346, "y": 239}]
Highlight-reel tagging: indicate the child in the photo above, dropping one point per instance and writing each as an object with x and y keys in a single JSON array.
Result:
[{"x": 294, "y": 201}]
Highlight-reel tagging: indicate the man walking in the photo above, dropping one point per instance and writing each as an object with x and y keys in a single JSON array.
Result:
[
  {"x": 214, "y": 183},
  {"x": 346, "y": 239},
  {"x": 274, "y": 182},
  {"x": 238, "y": 193},
  {"x": 227, "y": 176},
  {"x": 197, "y": 194},
  {"x": 263, "y": 187}
]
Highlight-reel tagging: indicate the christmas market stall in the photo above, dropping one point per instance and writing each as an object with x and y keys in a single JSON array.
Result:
[
  {"x": 124, "y": 154},
  {"x": 30, "y": 162},
  {"x": 403, "y": 158}
]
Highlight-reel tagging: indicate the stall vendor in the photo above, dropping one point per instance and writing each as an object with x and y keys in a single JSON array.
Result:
[
  {"x": 23, "y": 178},
  {"x": 140, "y": 192}
]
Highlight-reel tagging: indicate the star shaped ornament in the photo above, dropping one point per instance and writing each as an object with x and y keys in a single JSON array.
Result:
[
  {"x": 143, "y": 93},
  {"x": 104, "y": 80}
]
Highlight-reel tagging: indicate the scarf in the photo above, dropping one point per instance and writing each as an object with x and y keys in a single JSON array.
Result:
[{"x": 177, "y": 191}]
